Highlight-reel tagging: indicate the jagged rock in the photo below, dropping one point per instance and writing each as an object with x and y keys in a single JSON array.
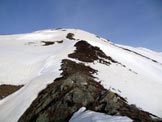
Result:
[{"x": 76, "y": 88}]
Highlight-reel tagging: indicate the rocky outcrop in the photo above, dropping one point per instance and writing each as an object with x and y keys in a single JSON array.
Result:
[
  {"x": 77, "y": 87},
  {"x": 88, "y": 53},
  {"x": 6, "y": 90},
  {"x": 70, "y": 36}
]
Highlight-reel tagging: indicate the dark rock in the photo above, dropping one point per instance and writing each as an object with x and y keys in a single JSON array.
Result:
[
  {"x": 6, "y": 90},
  {"x": 60, "y": 41},
  {"x": 47, "y": 43},
  {"x": 76, "y": 88},
  {"x": 88, "y": 53},
  {"x": 70, "y": 36}
]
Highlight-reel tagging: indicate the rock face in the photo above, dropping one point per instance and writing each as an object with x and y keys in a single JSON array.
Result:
[
  {"x": 76, "y": 88},
  {"x": 6, "y": 90}
]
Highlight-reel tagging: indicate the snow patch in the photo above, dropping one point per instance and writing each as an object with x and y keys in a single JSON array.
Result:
[{"x": 83, "y": 115}]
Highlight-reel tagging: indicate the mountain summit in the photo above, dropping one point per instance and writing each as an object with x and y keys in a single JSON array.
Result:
[{"x": 62, "y": 75}]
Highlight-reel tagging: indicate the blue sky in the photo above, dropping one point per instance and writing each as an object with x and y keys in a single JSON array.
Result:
[{"x": 128, "y": 22}]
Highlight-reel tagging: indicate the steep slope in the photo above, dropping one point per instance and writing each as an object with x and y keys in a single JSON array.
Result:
[{"x": 34, "y": 60}]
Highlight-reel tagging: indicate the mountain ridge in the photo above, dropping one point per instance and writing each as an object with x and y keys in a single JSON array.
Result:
[{"x": 36, "y": 57}]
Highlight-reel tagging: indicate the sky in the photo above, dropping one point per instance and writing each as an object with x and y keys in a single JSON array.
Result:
[{"x": 135, "y": 23}]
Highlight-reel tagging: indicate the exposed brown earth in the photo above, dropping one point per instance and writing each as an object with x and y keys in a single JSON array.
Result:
[
  {"x": 60, "y": 41},
  {"x": 88, "y": 53},
  {"x": 70, "y": 36},
  {"x": 47, "y": 43},
  {"x": 6, "y": 90}
]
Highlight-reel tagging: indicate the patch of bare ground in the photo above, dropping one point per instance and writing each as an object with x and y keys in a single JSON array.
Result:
[
  {"x": 88, "y": 53},
  {"x": 47, "y": 43},
  {"x": 44, "y": 43},
  {"x": 70, "y": 36},
  {"x": 6, "y": 90},
  {"x": 60, "y": 41}
]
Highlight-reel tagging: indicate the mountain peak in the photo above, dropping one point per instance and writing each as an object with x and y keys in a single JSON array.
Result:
[{"x": 45, "y": 69}]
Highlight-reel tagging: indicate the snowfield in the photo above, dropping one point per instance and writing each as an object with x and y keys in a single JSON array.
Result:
[{"x": 25, "y": 59}]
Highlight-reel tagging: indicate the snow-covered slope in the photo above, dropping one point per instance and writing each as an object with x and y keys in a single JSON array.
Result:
[
  {"x": 83, "y": 115},
  {"x": 34, "y": 60}
]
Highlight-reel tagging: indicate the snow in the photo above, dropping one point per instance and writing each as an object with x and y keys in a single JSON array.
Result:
[
  {"x": 36, "y": 36},
  {"x": 138, "y": 90},
  {"x": 12, "y": 107},
  {"x": 83, "y": 115},
  {"x": 142, "y": 87},
  {"x": 35, "y": 66},
  {"x": 28, "y": 60},
  {"x": 146, "y": 52}
]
